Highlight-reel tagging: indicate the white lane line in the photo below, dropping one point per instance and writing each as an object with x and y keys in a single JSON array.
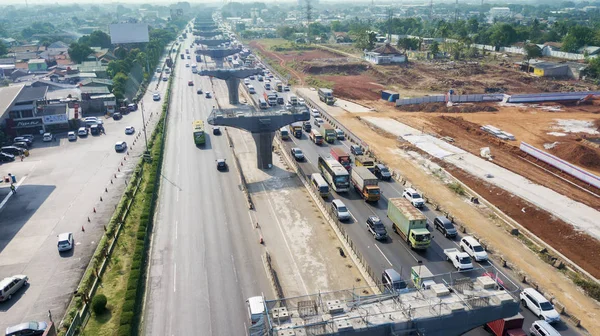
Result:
[
  {"x": 251, "y": 220},
  {"x": 178, "y": 166},
  {"x": 234, "y": 270},
  {"x": 391, "y": 185},
  {"x": 174, "y": 277},
  {"x": 284, "y": 238},
  {"x": 177, "y": 195},
  {"x": 10, "y": 193},
  {"x": 176, "y": 225},
  {"x": 386, "y": 259}
]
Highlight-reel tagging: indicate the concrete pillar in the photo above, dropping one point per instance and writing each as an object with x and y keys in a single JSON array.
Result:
[
  {"x": 233, "y": 84},
  {"x": 264, "y": 149},
  {"x": 218, "y": 62}
]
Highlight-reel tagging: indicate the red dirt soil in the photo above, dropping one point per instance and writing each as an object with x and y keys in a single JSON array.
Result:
[
  {"x": 306, "y": 55},
  {"x": 355, "y": 87},
  {"x": 578, "y": 154}
]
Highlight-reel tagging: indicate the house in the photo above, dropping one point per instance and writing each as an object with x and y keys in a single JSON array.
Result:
[
  {"x": 9, "y": 42},
  {"x": 385, "y": 54},
  {"x": 552, "y": 69},
  {"x": 96, "y": 82},
  {"x": 33, "y": 48},
  {"x": 57, "y": 47},
  {"x": 25, "y": 56},
  {"x": 589, "y": 51},
  {"x": 37, "y": 65},
  {"x": 94, "y": 66}
]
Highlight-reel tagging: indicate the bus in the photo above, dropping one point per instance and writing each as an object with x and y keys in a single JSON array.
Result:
[
  {"x": 335, "y": 174},
  {"x": 320, "y": 185},
  {"x": 199, "y": 136},
  {"x": 316, "y": 137},
  {"x": 284, "y": 133}
]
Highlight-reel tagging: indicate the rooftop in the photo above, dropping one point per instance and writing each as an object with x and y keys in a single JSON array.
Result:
[
  {"x": 8, "y": 95},
  {"x": 32, "y": 94},
  {"x": 387, "y": 49},
  {"x": 52, "y": 109}
]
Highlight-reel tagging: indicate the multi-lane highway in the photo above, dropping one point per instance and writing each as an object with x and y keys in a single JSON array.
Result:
[{"x": 203, "y": 266}]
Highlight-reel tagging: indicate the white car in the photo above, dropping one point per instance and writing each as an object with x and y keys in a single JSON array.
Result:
[
  {"x": 413, "y": 197},
  {"x": 315, "y": 113},
  {"x": 82, "y": 131},
  {"x": 65, "y": 241},
  {"x": 47, "y": 137},
  {"x": 72, "y": 136},
  {"x": 246, "y": 81},
  {"x": 129, "y": 130},
  {"x": 473, "y": 248},
  {"x": 187, "y": 65},
  {"x": 86, "y": 119},
  {"x": 121, "y": 146},
  {"x": 539, "y": 305},
  {"x": 301, "y": 101},
  {"x": 340, "y": 210}
]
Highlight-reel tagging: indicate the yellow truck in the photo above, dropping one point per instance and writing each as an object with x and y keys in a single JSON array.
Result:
[{"x": 363, "y": 160}]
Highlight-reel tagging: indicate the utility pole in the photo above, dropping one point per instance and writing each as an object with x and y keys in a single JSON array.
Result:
[
  {"x": 389, "y": 25},
  {"x": 144, "y": 122},
  {"x": 456, "y": 11},
  {"x": 308, "y": 14}
]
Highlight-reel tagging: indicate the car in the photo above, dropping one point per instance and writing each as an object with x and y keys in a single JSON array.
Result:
[
  {"x": 156, "y": 97},
  {"x": 121, "y": 146},
  {"x": 190, "y": 83},
  {"x": 376, "y": 228},
  {"x": 539, "y": 305},
  {"x": 12, "y": 150},
  {"x": 188, "y": 57},
  {"x": 31, "y": 328},
  {"x": 199, "y": 91},
  {"x": 71, "y": 136},
  {"x": 10, "y": 285},
  {"x": 216, "y": 130},
  {"x": 267, "y": 80},
  {"x": 356, "y": 150},
  {"x": 5, "y": 157},
  {"x": 90, "y": 119},
  {"x": 28, "y": 141},
  {"x": 392, "y": 281},
  {"x": 28, "y": 137},
  {"x": 382, "y": 172},
  {"x": 413, "y": 197},
  {"x": 65, "y": 241},
  {"x": 167, "y": 70},
  {"x": 22, "y": 145},
  {"x": 165, "y": 78},
  {"x": 315, "y": 113},
  {"x": 132, "y": 107},
  {"x": 301, "y": 101},
  {"x": 47, "y": 137},
  {"x": 297, "y": 153},
  {"x": 473, "y": 248},
  {"x": 252, "y": 77},
  {"x": 251, "y": 89},
  {"x": 129, "y": 130},
  {"x": 221, "y": 164},
  {"x": 261, "y": 78},
  {"x": 208, "y": 94},
  {"x": 445, "y": 226},
  {"x": 158, "y": 70},
  {"x": 246, "y": 81},
  {"x": 117, "y": 116},
  {"x": 318, "y": 122},
  {"x": 340, "y": 210},
  {"x": 187, "y": 65},
  {"x": 82, "y": 131}
]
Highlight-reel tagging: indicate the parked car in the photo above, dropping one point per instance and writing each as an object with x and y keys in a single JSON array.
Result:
[
  {"x": 20, "y": 144},
  {"x": 10, "y": 285},
  {"x": 221, "y": 165},
  {"x": 445, "y": 226},
  {"x": 117, "y": 116},
  {"x": 539, "y": 305},
  {"x": 297, "y": 153},
  {"x": 356, "y": 150},
  {"x": 121, "y": 146},
  {"x": 29, "y": 137},
  {"x": 72, "y": 136},
  {"x": 413, "y": 197},
  {"x": 28, "y": 141},
  {"x": 5, "y": 157},
  {"x": 190, "y": 83},
  {"x": 32, "y": 328},
  {"x": 340, "y": 209},
  {"x": 473, "y": 248},
  {"x": 65, "y": 241},
  {"x": 199, "y": 91},
  {"x": 376, "y": 228},
  {"x": 129, "y": 130},
  {"x": 82, "y": 132},
  {"x": 16, "y": 151},
  {"x": 216, "y": 130},
  {"x": 156, "y": 97},
  {"x": 132, "y": 107},
  {"x": 208, "y": 94}
]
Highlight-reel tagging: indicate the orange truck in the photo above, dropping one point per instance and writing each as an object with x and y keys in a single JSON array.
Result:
[{"x": 342, "y": 157}]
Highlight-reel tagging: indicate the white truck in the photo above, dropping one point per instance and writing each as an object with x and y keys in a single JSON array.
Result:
[
  {"x": 461, "y": 260},
  {"x": 293, "y": 100}
]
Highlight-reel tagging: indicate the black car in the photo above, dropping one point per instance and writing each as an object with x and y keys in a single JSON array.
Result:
[
  {"x": 221, "y": 165},
  {"x": 12, "y": 150},
  {"x": 376, "y": 227},
  {"x": 5, "y": 157},
  {"x": 382, "y": 172},
  {"x": 199, "y": 91},
  {"x": 445, "y": 226},
  {"x": 117, "y": 116},
  {"x": 307, "y": 126},
  {"x": 356, "y": 150},
  {"x": 216, "y": 130}
]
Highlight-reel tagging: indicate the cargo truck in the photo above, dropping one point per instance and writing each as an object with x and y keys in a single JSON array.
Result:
[
  {"x": 328, "y": 132},
  {"x": 409, "y": 223},
  {"x": 198, "y": 58},
  {"x": 365, "y": 161},
  {"x": 510, "y": 326},
  {"x": 341, "y": 156},
  {"x": 279, "y": 86},
  {"x": 326, "y": 96},
  {"x": 365, "y": 183},
  {"x": 297, "y": 129},
  {"x": 293, "y": 100},
  {"x": 421, "y": 276}
]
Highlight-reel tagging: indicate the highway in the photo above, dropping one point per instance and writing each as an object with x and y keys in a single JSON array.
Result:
[
  {"x": 393, "y": 253},
  {"x": 203, "y": 266}
]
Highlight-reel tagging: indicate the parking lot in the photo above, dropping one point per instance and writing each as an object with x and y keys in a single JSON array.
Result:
[{"x": 64, "y": 186}]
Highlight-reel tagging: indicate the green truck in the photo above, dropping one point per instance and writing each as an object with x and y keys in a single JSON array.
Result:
[
  {"x": 328, "y": 132},
  {"x": 409, "y": 223},
  {"x": 326, "y": 96}
]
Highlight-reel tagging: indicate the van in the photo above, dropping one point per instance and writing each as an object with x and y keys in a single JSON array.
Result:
[
  {"x": 267, "y": 86},
  {"x": 341, "y": 211},
  {"x": 256, "y": 308},
  {"x": 473, "y": 248},
  {"x": 543, "y": 328},
  {"x": 10, "y": 285},
  {"x": 539, "y": 305},
  {"x": 262, "y": 103},
  {"x": 392, "y": 280},
  {"x": 320, "y": 185}
]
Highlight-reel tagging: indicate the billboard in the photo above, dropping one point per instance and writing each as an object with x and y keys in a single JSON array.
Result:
[{"x": 128, "y": 33}]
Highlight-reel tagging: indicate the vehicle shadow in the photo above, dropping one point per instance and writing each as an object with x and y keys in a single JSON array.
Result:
[
  {"x": 207, "y": 144},
  {"x": 69, "y": 253}
]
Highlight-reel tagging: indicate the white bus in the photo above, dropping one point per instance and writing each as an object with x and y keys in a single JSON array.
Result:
[
  {"x": 335, "y": 174},
  {"x": 318, "y": 182}
]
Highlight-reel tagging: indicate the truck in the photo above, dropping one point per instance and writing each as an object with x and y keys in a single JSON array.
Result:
[
  {"x": 297, "y": 129},
  {"x": 365, "y": 183},
  {"x": 341, "y": 156},
  {"x": 364, "y": 161},
  {"x": 461, "y": 260},
  {"x": 326, "y": 96},
  {"x": 279, "y": 86},
  {"x": 284, "y": 133},
  {"x": 198, "y": 58},
  {"x": 421, "y": 277},
  {"x": 169, "y": 62},
  {"x": 272, "y": 98},
  {"x": 510, "y": 326},
  {"x": 182, "y": 56},
  {"x": 409, "y": 223},
  {"x": 328, "y": 132},
  {"x": 293, "y": 100}
]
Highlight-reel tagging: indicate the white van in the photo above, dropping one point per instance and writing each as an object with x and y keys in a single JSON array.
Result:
[
  {"x": 262, "y": 103},
  {"x": 539, "y": 305},
  {"x": 251, "y": 89},
  {"x": 543, "y": 328},
  {"x": 473, "y": 248},
  {"x": 256, "y": 308},
  {"x": 319, "y": 184}
]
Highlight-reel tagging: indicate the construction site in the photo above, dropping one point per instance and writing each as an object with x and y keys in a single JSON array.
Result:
[{"x": 567, "y": 130}]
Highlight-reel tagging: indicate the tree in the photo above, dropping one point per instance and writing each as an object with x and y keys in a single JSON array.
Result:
[
  {"x": 79, "y": 52},
  {"x": 435, "y": 48},
  {"x": 503, "y": 34},
  {"x": 577, "y": 37},
  {"x": 532, "y": 51},
  {"x": 473, "y": 25},
  {"x": 96, "y": 39},
  {"x": 286, "y": 32},
  {"x": 409, "y": 43},
  {"x": 3, "y": 49},
  {"x": 119, "y": 81}
]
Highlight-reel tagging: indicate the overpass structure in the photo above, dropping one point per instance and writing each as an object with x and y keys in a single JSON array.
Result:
[
  {"x": 207, "y": 33},
  {"x": 450, "y": 307},
  {"x": 217, "y": 55},
  {"x": 232, "y": 79},
  {"x": 211, "y": 42},
  {"x": 262, "y": 125}
]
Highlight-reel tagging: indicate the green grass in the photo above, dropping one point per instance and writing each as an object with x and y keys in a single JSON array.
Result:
[
  {"x": 457, "y": 188},
  {"x": 316, "y": 82},
  {"x": 270, "y": 43}
]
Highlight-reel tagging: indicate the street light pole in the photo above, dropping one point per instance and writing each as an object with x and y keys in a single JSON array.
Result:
[{"x": 144, "y": 121}]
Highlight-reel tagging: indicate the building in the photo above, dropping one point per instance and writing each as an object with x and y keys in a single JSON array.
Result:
[
  {"x": 498, "y": 12},
  {"x": 38, "y": 64},
  {"x": 551, "y": 69},
  {"x": 385, "y": 54},
  {"x": 8, "y": 97},
  {"x": 57, "y": 47},
  {"x": 22, "y": 118}
]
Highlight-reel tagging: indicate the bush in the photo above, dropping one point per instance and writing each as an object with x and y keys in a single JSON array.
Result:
[
  {"x": 128, "y": 306},
  {"x": 124, "y": 330},
  {"x": 457, "y": 188},
  {"x": 126, "y": 318},
  {"x": 99, "y": 304},
  {"x": 130, "y": 294}
]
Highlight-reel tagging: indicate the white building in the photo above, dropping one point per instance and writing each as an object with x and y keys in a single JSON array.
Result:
[
  {"x": 385, "y": 54},
  {"x": 498, "y": 12}
]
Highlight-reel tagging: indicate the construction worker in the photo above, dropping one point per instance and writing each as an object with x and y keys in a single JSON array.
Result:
[{"x": 13, "y": 189}]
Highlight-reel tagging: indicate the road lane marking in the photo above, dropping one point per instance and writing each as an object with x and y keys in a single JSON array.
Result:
[
  {"x": 174, "y": 277},
  {"x": 176, "y": 224},
  {"x": 10, "y": 193},
  {"x": 386, "y": 259},
  {"x": 234, "y": 270},
  {"x": 178, "y": 168},
  {"x": 177, "y": 195}
]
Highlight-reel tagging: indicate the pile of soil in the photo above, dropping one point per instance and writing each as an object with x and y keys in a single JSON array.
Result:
[
  {"x": 442, "y": 107},
  {"x": 578, "y": 154},
  {"x": 355, "y": 87},
  {"x": 338, "y": 69}
]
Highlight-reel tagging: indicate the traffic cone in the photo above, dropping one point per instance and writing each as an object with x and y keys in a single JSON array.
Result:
[
  {"x": 82, "y": 229},
  {"x": 119, "y": 169},
  {"x": 94, "y": 209},
  {"x": 261, "y": 241}
]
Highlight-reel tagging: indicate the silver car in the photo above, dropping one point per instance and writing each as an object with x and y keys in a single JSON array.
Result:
[{"x": 10, "y": 285}]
